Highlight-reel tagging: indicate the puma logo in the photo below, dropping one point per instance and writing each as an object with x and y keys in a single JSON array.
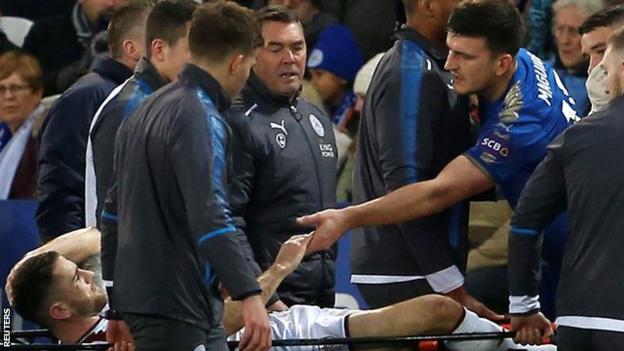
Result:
[{"x": 279, "y": 126}]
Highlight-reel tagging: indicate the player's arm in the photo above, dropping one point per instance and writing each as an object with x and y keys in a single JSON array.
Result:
[
  {"x": 542, "y": 200},
  {"x": 459, "y": 180},
  {"x": 76, "y": 246},
  {"x": 288, "y": 258}
]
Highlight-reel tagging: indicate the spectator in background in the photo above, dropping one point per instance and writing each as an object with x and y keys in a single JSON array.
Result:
[
  {"x": 333, "y": 64},
  {"x": 311, "y": 15},
  {"x": 21, "y": 89},
  {"x": 570, "y": 64},
  {"x": 363, "y": 79},
  {"x": 539, "y": 24},
  {"x": 60, "y": 182},
  {"x": 60, "y": 42},
  {"x": 595, "y": 33}
]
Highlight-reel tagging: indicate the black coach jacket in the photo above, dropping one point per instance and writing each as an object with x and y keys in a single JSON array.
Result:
[{"x": 284, "y": 167}]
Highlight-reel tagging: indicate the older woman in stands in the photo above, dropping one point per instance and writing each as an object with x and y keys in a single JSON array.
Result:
[{"x": 21, "y": 89}]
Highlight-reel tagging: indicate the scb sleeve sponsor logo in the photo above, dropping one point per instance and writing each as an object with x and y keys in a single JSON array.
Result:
[{"x": 493, "y": 145}]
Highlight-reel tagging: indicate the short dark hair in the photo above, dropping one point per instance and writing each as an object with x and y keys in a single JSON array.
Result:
[
  {"x": 167, "y": 21},
  {"x": 31, "y": 287},
  {"x": 499, "y": 22},
  {"x": 220, "y": 28},
  {"x": 603, "y": 18},
  {"x": 275, "y": 13},
  {"x": 617, "y": 40},
  {"x": 125, "y": 21}
]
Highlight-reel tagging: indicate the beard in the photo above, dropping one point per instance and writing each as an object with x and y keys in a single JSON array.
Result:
[
  {"x": 99, "y": 301},
  {"x": 91, "y": 305}
]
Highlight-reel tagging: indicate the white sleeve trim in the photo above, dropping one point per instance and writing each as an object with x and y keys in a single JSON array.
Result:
[
  {"x": 523, "y": 304},
  {"x": 383, "y": 279},
  {"x": 598, "y": 323},
  {"x": 90, "y": 179},
  {"x": 445, "y": 280}
]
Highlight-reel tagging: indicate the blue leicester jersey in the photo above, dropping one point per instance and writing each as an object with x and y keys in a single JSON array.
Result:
[{"x": 517, "y": 128}]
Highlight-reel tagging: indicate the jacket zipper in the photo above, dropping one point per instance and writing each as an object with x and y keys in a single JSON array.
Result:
[{"x": 298, "y": 117}]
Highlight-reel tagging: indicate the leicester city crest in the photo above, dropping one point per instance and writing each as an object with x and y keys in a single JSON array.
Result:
[{"x": 317, "y": 126}]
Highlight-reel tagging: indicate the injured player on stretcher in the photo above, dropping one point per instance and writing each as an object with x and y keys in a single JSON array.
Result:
[{"x": 48, "y": 287}]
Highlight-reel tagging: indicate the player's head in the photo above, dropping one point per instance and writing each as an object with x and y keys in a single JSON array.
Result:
[
  {"x": 483, "y": 39},
  {"x": 48, "y": 289},
  {"x": 613, "y": 64},
  {"x": 433, "y": 14},
  {"x": 281, "y": 59},
  {"x": 166, "y": 35},
  {"x": 126, "y": 32},
  {"x": 223, "y": 36},
  {"x": 596, "y": 31}
]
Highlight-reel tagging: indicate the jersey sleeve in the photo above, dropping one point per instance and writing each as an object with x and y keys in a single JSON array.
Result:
[
  {"x": 513, "y": 138},
  {"x": 500, "y": 150}
]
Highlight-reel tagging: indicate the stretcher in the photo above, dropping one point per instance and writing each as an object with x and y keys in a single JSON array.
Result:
[{"x": 423, "y": 342}]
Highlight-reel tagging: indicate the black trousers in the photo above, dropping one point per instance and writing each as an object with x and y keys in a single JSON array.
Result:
[
  {"x": 576, "y": 339},
  {"x": 157, "y": 333}
]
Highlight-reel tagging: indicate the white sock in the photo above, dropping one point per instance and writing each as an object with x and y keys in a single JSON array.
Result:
[{"x": 475, "y": 324}]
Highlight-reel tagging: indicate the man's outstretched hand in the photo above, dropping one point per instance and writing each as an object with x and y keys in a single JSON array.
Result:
[{"x": 329, "y": 226}]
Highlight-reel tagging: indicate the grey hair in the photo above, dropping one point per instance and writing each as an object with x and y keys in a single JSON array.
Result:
[{"x": 588, "y": 6}]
